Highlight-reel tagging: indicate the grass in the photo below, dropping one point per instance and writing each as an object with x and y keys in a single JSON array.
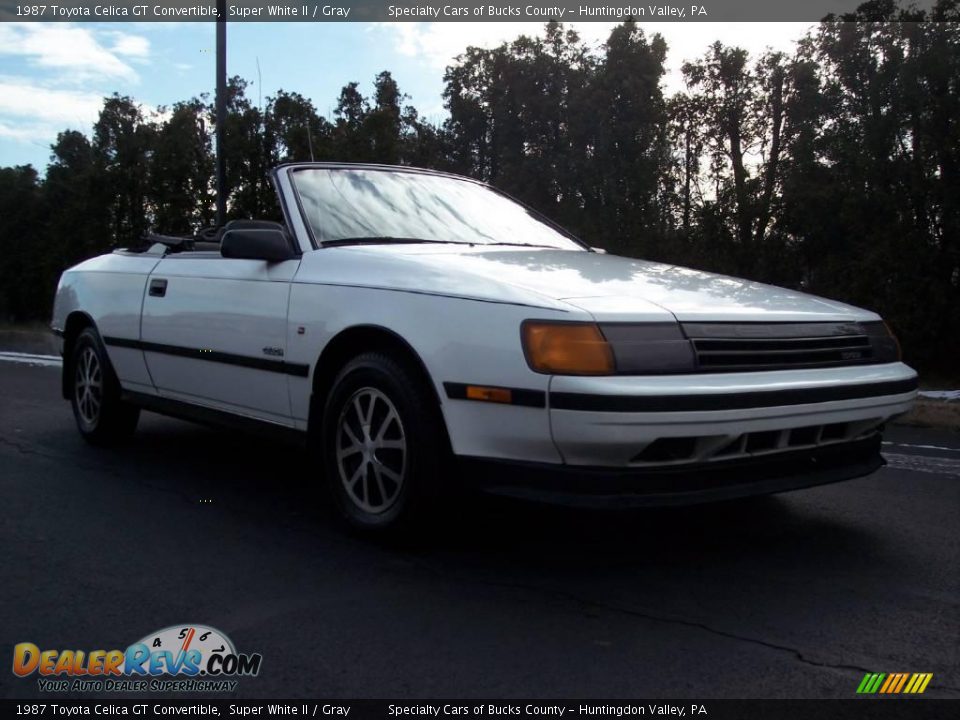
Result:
[{"x": 933, "y": 414}]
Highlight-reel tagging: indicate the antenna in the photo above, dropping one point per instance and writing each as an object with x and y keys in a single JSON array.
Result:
[
  {"x": 310, "y": 141},
  {"x": 259, "y": 87}
]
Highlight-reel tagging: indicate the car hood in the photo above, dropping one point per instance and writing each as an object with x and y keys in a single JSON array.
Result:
[{"x": 608, "y": 286}]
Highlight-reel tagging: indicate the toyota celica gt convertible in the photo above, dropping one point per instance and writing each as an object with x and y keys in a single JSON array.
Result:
[{"x": 422, "y": 331}]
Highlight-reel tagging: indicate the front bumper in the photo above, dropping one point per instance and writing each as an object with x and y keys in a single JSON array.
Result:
[
  {"x": 632, "y": 426},
  {"x": 628, "y": 422},
  {"x": 604, "y": 487}
]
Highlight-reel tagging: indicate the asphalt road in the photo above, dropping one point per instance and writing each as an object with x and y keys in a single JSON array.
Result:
[{"x": 793, "y": 596}]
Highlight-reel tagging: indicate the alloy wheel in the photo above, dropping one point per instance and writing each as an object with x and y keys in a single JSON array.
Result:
[
  {"x": 371, "y": 451},
  {"x": 88, "y": 386}
]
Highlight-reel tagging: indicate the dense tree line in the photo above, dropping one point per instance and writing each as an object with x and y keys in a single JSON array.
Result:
[{"x": 833, "y": 169}]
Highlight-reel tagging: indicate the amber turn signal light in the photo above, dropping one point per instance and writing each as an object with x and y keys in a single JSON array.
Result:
[
  {"x": 566, "y": 348},
  {"x": 489, "y": 394}
]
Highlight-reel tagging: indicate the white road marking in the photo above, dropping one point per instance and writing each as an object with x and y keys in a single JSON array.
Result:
[
  {"x": 947, "y": 395},
  {"x": 31, "y": 359},
  {"x": 922, "y": 447},
  {"x": 924, "y": 463}
]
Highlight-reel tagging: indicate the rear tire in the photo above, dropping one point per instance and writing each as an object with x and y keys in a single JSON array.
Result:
[
  {"x": 102, "y": 417},
  {"x": 383, "y": 446}
]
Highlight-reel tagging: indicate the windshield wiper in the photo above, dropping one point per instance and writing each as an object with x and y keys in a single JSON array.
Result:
[
  {"x": 385, "y": 239},
  {"x": 551, "y": 247},
  {"x": 391, "y": 240}
]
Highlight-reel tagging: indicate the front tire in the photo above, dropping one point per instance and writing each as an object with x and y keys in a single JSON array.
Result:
[
  {"x": 383, "y": 446},
  {"x": 102, "y": 417}
]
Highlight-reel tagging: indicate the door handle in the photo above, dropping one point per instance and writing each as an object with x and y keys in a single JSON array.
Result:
[{"x": 158, "y": 287}]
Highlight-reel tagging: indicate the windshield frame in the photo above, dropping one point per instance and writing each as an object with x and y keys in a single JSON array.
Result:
[{"x": 291, "y": 169}]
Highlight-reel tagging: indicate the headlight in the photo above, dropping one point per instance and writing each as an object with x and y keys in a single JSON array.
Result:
[
  {"x": 566, "y": 348},
  {"x": 886, "y": 347},
  {"x": 583, "y": 348},
  {"x": 896, "y": 340}
]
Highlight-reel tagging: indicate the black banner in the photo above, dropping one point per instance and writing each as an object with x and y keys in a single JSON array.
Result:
[
  {"x": 428, "y": 10},
  {"x": 901, "y": 708}
]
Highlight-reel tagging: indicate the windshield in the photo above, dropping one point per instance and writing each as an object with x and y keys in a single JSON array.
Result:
[{"x": 382, "y": 205}]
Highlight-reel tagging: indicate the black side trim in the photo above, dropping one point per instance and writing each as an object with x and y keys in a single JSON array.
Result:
[
  {"x": 520, "y": 396},
  {"x": 279, "y": 366},
  {"x": 724, "y": 401},
  {"x": 124, "y": 343},
  {"x": 209, "y": 416}
]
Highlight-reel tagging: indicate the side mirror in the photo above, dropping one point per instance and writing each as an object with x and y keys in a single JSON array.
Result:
[
  {"x": 256, "y": 244},
  {"x": 598, "y": 250}
]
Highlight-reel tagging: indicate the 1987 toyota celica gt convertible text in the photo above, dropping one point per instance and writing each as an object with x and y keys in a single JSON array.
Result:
[{"x": 422, "y": 331}]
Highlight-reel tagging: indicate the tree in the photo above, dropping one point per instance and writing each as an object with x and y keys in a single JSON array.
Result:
[
  {"x": 301, "y": 134},
  {"x": 890, "y": 140},
  {"x": 122, "y": 147},
  {"x": 523, "y": 116},
  {"x": 23, "y": 245},
  {"x": 631, "y": 154},
  {"x": 77, "y": 216},
  {"x": 181, "y": 193},
  {"x": 383, "y": 123},
  {"x": 250, "y": 151},
  {"x": 349, "y": 141}
]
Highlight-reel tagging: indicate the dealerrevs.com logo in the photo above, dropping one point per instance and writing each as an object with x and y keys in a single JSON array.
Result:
[{"x": 177, "y": 658}]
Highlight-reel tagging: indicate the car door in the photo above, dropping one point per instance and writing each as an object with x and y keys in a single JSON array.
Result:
[{"x": 214, "y": 333}]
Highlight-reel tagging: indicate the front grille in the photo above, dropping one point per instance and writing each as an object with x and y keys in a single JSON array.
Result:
[
  {"x": 734, "y": 354},
  {"x": 707, "y": 448},
  {"x": 737, "y": 347}
]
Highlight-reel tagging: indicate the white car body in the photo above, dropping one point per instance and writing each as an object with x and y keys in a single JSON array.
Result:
[{"x": 246, "y": 338}]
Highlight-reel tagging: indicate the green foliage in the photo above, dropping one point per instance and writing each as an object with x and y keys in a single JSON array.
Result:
[
  {"x": 834, "y": 170},
  {"x": 21, "y": 227},
  {"x": 122, "y": 147},
  {"x": 181, "y": 168}
]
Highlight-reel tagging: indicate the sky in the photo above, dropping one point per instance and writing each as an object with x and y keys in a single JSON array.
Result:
[{"x": 54, "y": 76}]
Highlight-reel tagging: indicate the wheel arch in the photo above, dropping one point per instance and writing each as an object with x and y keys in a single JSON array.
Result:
[
  {"x": 76, "y": 322},
  {"x": 352, "y": 341}
]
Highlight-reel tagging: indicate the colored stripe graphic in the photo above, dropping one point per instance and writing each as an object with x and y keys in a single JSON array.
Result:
[
  {"x": 897, "y": 682},
  {"x": 894, "y": 683},
  {"x": 891, "y": 680}
]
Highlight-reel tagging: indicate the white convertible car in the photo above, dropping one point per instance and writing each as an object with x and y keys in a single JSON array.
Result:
[{"x": 423, "y": 331}]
